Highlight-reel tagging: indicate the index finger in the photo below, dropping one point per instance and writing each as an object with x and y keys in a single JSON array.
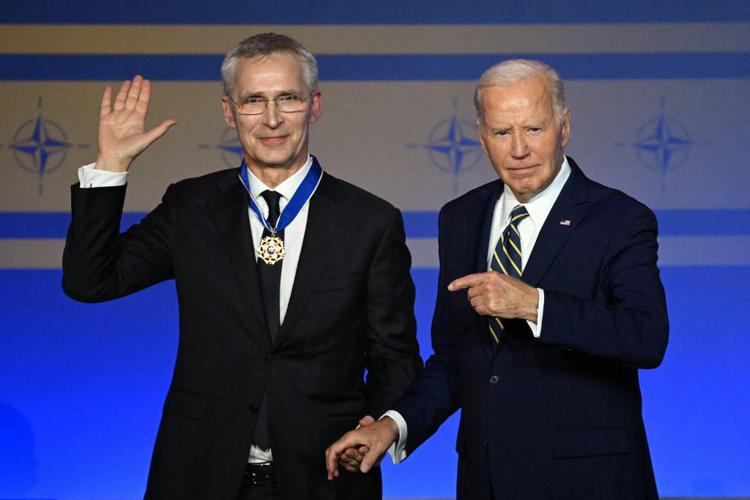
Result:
[{"x": 467, "y": 281}]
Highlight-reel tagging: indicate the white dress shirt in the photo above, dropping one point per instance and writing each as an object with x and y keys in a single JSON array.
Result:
[
  {"x": 539, "y": 207},
  {"x": 294, "y": 233}
]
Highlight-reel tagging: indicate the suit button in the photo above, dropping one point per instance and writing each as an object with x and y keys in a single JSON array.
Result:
[
  {"x": 270, "y": 358},
  {"x": 494, "y": 379},
  {"x": 252, "y": 409},
  {"x": 485, "y": 444}
]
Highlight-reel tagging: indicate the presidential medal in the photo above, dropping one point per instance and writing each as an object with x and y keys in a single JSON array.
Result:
[{"x": 271, "y": 249}]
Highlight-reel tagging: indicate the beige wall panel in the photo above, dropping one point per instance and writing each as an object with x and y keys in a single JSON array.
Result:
[
  {"x": 712, "y": 171},
  {"x": 376, "y": 134},
  {"x": 31, "y": 254},
  {"x": 379, "y": 39}
]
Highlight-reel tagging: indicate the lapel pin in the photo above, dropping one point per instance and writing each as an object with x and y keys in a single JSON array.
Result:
[{"x": 565, "y": 222}]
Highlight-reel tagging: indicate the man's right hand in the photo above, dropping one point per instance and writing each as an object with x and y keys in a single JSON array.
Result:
[
  {"x": 375, "y": 439},
  {"x": 121, "y": 126}
]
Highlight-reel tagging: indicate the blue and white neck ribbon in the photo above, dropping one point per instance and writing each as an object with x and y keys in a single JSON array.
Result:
[{"x": 306, "y": 188}]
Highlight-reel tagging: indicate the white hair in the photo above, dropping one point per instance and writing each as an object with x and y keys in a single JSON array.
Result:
[
  {"x": 513, "y": 71},
  {"x": 265, "y": 44}
]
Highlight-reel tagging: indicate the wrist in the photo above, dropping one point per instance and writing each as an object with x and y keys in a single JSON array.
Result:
[
  {"x": 111, "y": 164},
  {"x": 531, "y": 305},
  {"x": 392, "y": 426}
]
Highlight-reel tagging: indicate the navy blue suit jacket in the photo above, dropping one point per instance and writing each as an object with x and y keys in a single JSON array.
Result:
[{"x": 559, "y": 416}]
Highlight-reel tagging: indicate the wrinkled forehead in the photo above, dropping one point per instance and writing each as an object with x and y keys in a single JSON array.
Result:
[
  {"x": 533, "y": 94},
  {"x": 277, "y": 70}
]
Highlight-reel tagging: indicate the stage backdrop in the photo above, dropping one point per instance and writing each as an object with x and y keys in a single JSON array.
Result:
[{"x": 659, "y": 93}]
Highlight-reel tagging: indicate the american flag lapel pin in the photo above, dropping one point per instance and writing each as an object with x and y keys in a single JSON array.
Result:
[{"x": 565, "y": 222}]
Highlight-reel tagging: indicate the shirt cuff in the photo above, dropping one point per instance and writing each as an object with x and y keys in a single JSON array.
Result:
[
  {"x": 536, "y": 328},
  {"x": 90, "y": 177},
  {"x": 397, "y": 451}
]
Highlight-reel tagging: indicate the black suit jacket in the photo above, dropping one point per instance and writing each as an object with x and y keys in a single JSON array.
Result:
[
  {"x": 351, "y": 311},
  {"x": 559, "y": 416}
]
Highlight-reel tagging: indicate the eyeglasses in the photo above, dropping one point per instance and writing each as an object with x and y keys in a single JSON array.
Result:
[{"x": 256, "y": 105}]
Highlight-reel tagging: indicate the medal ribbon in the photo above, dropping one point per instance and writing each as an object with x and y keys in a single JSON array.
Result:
[{"x": 298, "y": 200}]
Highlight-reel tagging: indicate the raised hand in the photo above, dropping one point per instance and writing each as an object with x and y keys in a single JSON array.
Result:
[{"x": 121, "y": 125}]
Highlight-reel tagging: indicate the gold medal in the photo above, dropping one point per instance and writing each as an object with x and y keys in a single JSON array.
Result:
[{"x": 271, "y": 249}]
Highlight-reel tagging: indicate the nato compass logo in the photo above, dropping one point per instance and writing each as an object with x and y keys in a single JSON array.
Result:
[
  {"x": 452, "y": 146},
  {"x": 662, "y": 143},
  {"x": 41, "y": 145},
  {"x": 230, "y": 147}
]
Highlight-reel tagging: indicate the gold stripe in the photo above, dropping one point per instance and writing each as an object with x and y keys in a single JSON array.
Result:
[
  {"x": 515, "y": 247},
  {"x": 519, "y": 216},
  {"x": 493, "y": 334},
  {"x": 379, "y": 39},
  {"x": 31, "y": 253},
  {"x": 511, "y": 261},
  {"x": 515, "y": 229},
  {"x": 497, "y": 259}
]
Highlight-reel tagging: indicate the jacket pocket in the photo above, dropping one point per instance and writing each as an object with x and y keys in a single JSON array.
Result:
[{"x": 590, "y": 442}]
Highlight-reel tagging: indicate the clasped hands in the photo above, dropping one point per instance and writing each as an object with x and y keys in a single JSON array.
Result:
[
  {"x": 490, "y": 294},
  {"x": 363, "y": 448}
]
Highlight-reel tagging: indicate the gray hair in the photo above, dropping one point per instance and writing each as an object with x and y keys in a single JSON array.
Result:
[
  {"x": 265, "y": 44},
  {"x": 513, "y": 71}
]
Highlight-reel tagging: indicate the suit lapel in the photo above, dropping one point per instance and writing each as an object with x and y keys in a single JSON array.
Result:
[
  {"x": 230, "y": 214},
  {"x": 567, "y": 212},
  {"x": 326, "y": 225},
  {"x": 479, "y": 236},
  {"x": 484, "y": 212}
]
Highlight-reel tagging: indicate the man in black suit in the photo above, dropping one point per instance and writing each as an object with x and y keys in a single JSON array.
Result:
[
  {"x": 291, "y": 283},
  {"x": 549, "y": 301}
]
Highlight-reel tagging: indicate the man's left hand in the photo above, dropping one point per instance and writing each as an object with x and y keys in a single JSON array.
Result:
[{"x": 496, "y": 294}]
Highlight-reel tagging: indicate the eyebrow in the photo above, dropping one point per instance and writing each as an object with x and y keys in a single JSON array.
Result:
[{"x": 263, "y": 94}]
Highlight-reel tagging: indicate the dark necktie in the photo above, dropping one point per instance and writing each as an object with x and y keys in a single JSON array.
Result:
[
  {"x": 270, "y": 280},
  {"x": 270, "y": 274},
  {"x": 507, "y": 259}
]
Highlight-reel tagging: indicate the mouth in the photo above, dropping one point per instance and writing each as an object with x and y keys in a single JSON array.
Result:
[
  {"x": 523, "y": 169},
  {"x": 272, "y": 140}
]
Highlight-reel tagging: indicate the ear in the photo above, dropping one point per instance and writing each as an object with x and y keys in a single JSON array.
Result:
[
  {"x": 229, "y": 117},
  {"x": 315, "y": 109},
  {"x": 565, "y": 132}
]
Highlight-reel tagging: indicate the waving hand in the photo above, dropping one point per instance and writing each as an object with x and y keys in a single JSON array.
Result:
[{"x": 121, "y": 125}]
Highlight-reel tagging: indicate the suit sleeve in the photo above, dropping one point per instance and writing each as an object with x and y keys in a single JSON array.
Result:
[
  {"x": 101, "y": 264},
  {"x": 436, "y": 395},
  {"x": 627, "y": 321},
  {"x": 393, "y": 360}
]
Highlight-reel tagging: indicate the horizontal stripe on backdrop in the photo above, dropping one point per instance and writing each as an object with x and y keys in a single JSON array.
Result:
[
  {"x": 381, "y": 12},
  {"x": 418, "y": 224},
  {"x": 451, "y": 67}
]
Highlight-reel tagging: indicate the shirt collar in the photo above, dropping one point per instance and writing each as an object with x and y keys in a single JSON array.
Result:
[
  {"x": 540, "y": 205},
  {"x": 286, "y": 189}
]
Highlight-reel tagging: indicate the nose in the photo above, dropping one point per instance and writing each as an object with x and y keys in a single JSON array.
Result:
[
  {"x": 272, "y": 117},
  {"x": 519, "y": 148}
]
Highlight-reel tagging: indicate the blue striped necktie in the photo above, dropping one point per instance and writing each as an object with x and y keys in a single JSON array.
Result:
[{"x": 507, "y": 259}]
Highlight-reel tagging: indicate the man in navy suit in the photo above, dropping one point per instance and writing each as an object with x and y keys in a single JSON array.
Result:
[{"x": 549, "y": 301}]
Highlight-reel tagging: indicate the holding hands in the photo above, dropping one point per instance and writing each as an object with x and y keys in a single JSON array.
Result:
[
  {"x": 121, "y": 125},
  {"x": 363, "y": 448}
]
